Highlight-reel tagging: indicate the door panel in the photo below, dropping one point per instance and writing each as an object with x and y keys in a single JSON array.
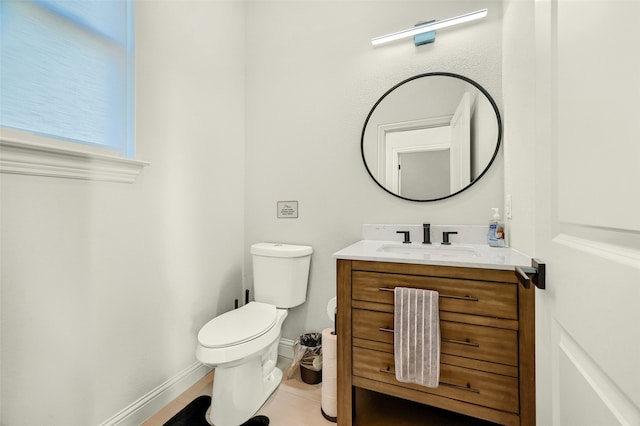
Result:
[
  {"x": 588, "y": 211},
  {"x": 598, "y": 125},
  {"x": 579, "y": 392},
  {"x": 461, "y": 144}
]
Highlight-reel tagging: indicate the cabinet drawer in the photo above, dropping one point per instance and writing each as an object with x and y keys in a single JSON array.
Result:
[
  {"x": 472, "y": 386},
  {"x": 498, "y": 300},
  {"x": 466, "y": 340}
]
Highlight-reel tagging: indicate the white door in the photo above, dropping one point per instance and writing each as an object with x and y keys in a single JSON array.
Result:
[
  {"x": 461, "y": 145},
  {"x": 588, "y": 212}
]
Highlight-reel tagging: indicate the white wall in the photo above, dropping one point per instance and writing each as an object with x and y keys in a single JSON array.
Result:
[
  {"x": 519, "y": 127},
  {"x": 104, "y": 285},
  {"x": 519, "y": 75},
  {"x": 312, "y": 77}
]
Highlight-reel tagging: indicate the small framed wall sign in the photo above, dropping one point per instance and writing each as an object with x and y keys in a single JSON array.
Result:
[{"x": 287, "y": 209}]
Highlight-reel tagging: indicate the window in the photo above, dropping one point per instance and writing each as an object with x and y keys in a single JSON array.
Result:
[{"x": 67, "y": 79}]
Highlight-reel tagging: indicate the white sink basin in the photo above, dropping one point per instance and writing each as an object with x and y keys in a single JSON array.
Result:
[{"x": 439, "y": 250}]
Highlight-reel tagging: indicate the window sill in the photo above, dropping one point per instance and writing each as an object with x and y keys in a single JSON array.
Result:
[{"x": 28, "y": 158}]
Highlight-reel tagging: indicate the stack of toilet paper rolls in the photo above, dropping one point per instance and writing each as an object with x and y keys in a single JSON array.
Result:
[{"x": 329, "y": 374}]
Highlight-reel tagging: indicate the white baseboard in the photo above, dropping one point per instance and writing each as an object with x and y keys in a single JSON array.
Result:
[
  {"x": 154, "y": 401},
  {"x": 285, "y": 348}
]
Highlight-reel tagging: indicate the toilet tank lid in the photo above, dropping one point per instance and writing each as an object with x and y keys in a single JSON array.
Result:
[{"x": 280, "y": 250}]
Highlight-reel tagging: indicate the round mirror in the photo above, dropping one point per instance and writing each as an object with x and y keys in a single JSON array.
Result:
[{"x": 431, "y": 136}]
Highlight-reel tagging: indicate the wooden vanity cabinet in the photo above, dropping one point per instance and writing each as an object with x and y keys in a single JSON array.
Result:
[{"x": 487, "y": 339}]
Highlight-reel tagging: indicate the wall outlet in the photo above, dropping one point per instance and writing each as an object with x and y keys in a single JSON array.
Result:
[{"x": 507, "y": 207}]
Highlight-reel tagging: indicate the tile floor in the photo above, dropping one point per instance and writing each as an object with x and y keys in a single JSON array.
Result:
[{"x": 296, "y": 403}]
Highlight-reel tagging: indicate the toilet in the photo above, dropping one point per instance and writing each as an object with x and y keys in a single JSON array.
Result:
[{"x": 242, "y": 344}]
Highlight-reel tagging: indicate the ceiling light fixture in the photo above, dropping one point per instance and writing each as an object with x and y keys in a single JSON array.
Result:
[{"x": 429, "y": 27}]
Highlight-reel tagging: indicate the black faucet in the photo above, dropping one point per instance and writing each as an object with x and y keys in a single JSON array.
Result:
[
  {"x": 426, "y": 233},
  {"x": 445, "y": 237},
  {"x": 406, "y": 236}
]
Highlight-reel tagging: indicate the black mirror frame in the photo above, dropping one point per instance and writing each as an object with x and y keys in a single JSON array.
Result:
[{"x": 446, "y": 74}]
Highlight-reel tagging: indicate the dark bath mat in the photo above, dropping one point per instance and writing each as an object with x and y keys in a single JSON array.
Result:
[
  {"x": 194, "y": 414},
  {"x": 257, "y": 421}
]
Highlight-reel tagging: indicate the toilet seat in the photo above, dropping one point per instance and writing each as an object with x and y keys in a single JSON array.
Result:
[{"x": 238, "y": 326}]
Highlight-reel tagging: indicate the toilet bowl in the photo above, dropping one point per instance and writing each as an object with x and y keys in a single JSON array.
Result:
[{"x": 242, "y": 346}]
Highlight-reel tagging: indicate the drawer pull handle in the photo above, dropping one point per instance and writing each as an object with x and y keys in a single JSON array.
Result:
[
  {"x": 461, "y": 342},
  {"x": 446, "y": 296},
  {"x": 457, "y": 342},
  {"x": 388, "y": 370},
  {"x": 468, "y": 298},
  {"x": 467, "y": 388}
]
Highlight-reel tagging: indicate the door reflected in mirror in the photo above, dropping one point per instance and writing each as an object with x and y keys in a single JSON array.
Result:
[{"x": 431, "y": 136}]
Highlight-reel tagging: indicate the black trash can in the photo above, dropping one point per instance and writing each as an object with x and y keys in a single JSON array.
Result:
[{"x": 309, "y": 348}]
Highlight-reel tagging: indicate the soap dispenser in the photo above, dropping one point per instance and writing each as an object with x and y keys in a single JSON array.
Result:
[{"x": 496, "y": 230}]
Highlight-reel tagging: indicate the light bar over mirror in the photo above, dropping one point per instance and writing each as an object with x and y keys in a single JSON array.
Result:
[{"x": 429, "y": 26}]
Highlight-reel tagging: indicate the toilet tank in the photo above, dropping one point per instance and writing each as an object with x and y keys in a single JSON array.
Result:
[{"x": 280, "y": 273}]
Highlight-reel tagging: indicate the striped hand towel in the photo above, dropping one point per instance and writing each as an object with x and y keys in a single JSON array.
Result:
[{"x": 417, "y": 336}]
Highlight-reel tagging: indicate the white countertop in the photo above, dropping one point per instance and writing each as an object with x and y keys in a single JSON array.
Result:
[{"x": 457, "y": 254}]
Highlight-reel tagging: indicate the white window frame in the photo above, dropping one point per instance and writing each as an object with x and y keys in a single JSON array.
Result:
[{"x": 26, "y": 153}]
